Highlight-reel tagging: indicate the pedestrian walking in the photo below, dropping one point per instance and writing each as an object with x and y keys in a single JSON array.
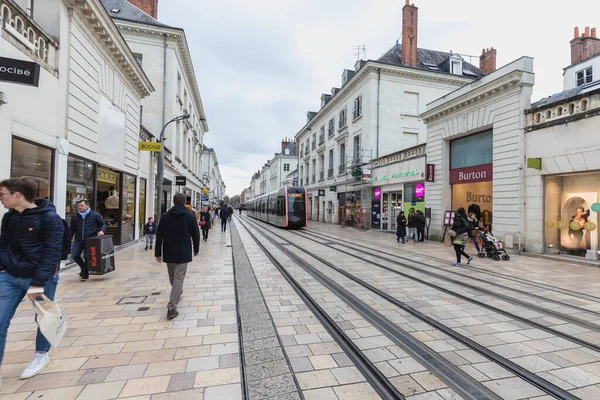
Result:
[
  {"x": 205, "y": 223},
  {"x": 31, "y": 245},
  {"x": 224, "y": 215},
  {"x": 213, "y": 215},
  {"x": 177, "y": 230},
  {"x": 412, "y": 225},
  {"x": 196, "y": 215},
  {"x": 460, "y": 229},
  {"x": 150, "y": 232},
  {"x": 230, "y": 213},
  {"x": 421, "y": 223},
  {"x": 85, "y": 224},
  {"x": 401, "y": 227},
  {"x": 240, "y": 210},
  {"x": 474, "y": 232}
]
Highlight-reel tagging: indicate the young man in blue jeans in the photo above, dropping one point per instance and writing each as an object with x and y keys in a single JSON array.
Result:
[{"x": 31, "y": 240}]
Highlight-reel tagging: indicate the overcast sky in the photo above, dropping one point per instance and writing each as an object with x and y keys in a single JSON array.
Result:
[{"x": 262, "y": 64}]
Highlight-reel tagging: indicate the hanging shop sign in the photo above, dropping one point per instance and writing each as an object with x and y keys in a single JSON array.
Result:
[
  {"x": 107, "y": 176},
  {"x": 19, "y": 71},
  {"x": 155, "y": 147},
  {"x": 395, "y": 175},
  {"x": 332, "y": 188},
  {"x": 205, "y": 191},
  {"x": 478, "y": 173},
  {"x": 321, "y": 193},
  {"x": 180, "y": 181},
  {"x": 430, "y": 173},
  {"x": 366, "y": 173}
]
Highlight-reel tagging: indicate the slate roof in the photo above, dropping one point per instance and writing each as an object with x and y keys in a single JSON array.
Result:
[
  {"x": 129, "y": 12},
  {"x": 434, "y": 58},
  {"x": 291, "y": 147},
  {"x": 567, "y": 94}
]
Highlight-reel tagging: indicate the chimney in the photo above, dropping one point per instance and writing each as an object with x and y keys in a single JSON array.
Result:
[
  {"x": 585, "y": 46},
  {"x": 410, "y": 19},
  {"x": 150, "y": 7},
  {"x": 487, "y": 60},
  {"x": 284, "y": 143}
]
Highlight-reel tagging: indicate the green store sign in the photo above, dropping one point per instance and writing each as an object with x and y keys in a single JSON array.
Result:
[{"x": 395, "y": 175}]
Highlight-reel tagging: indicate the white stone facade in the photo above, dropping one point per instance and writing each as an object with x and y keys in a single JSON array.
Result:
[
  {"x": 497, "y": 101},
  {"x": 212, "y": 177}
]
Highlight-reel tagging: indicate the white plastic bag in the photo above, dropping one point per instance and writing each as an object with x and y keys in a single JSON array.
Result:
[{"x": 50, "y": 320}]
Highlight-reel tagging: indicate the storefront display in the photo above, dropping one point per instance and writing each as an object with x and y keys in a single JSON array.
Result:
[
  {"x": 33, "y": 161},
  {"x": 142, "y": 211},
  {"x": 80, "y": 185},
  {"x": 571, "y": 214},
  {"x": 414, "y": 196},
  {"x": 128, "y": 210},
  {"x": 108, "y": 201}
]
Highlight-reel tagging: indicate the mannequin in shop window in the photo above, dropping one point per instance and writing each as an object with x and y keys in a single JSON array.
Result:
[{"x": 576, "y": 235}]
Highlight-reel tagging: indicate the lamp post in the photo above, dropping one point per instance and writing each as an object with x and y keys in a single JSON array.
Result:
[{"x": 160, "y": 166}]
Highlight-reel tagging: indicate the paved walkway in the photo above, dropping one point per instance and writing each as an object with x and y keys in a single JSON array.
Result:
[{"x": 119, "y": 343}]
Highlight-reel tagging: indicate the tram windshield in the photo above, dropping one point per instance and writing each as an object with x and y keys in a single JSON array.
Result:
[{"x": 296, "y": 202}]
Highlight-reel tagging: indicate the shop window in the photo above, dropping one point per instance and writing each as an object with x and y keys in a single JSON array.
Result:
[
  {"x": 142, "y": 211},
  {"x": 128, "y": 210},
  {"x": 81, "y": 175},
  {"x": 108, "y": 201},
  {"x": 33, "y": 161},
  {"x": 570, "y": 218},
  {"x": 477, "y": 149}
]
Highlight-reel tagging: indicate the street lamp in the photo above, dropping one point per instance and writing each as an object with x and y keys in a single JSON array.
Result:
[{"x": 160, "y": 166}]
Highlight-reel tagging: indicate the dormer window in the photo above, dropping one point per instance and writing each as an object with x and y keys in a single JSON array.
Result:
[
  {"x": 456, "y": 67},
  {"x": 584, "y": 76}
]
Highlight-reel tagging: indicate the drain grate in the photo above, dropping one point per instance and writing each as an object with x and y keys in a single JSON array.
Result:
[
  {"x": 154, "y": 293},
  {"x": 132, "y": 300},
  {"x": 143, "y": 308}
]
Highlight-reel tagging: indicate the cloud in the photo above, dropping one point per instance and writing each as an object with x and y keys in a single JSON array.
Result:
[{"x": 262, "y": 64}]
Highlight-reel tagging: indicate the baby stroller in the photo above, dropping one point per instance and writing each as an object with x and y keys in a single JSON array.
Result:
[{"x": 492, "y": 247}]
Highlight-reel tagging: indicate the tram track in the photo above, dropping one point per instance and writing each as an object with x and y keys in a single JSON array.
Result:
[
  {"x": 391, "y": 329},
  {"x": 530, "y": 306},
  {"x": 472, "y": 268}
]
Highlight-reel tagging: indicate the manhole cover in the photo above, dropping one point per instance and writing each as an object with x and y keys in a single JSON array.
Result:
[{"x": 132, "y": 300}]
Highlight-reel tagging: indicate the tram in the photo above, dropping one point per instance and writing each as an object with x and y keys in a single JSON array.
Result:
[{"x": 285, "y": 208}]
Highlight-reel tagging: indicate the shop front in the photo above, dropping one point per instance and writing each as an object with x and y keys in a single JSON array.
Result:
[
  {"x": 471, "y": 174},
  {"x": 571, "y": 214},
  {"x": 34, "y": 161},
  {"x": 398, "y": 184}
]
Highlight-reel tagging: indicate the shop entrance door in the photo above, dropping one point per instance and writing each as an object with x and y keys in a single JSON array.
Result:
[{"x": 391, "y": 207}]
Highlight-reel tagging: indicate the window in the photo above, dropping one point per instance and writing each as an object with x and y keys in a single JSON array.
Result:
[
  {"x": 331, "y": 129},
  {"x": 343, "y": 118},
  {"x": 33, "y": 161},
  {"x": 357, "y": 158},
  {"x": 322, "y": 134},
  {"x": 410, "y": 139},
  {"x": 139, "y": 58},
  {"x": 342, "y": 156},
  {"x": 81, "y": 175},
  {"x": 286, "y": 167},
  {"x": 472, "y": 150},
  {"x": 357, "y": 107},
  {"x": 330, "y": 169},
  {"x": 456, "y": 67},
  {"x": 584, "y": 76},
  {"x": 314, "y": 140}
]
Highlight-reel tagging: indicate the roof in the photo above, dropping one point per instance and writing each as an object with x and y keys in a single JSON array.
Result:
[
  {"x": 566, "y": 95},
  {"x": 430, "y": 60},
  {"x": 129, "y": 12},
  {"x": 291, "y": 146}
]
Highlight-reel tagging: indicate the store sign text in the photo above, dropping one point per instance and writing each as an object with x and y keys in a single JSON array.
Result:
[
  {"x": 478, "y": 173},
  {"x": 19, "y": 71},
  {"x": 478, "y": 198},
  {"x": 395, "y": 175},
  {"x": 107, "y": 176}
]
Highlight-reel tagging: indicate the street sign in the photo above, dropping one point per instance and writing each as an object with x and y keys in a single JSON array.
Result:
[
  {"x": 155, "y": 147},
  {"x": 19, "y": 71},
  {"x": 180, "y": 181}
]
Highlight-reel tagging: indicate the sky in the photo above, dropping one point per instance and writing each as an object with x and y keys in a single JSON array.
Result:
[{"x": 262, "y": 64}]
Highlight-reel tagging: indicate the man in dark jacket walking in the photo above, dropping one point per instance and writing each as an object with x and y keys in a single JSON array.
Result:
[
  {"x": 86, "y": 223},
  {"x": 176, "y": 231},
  {"x": 30, "y": 252},
  {"x": 224, "y": 215}
]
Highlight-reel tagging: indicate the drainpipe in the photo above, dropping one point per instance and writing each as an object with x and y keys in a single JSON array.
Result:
[
  {"x": 164, "y": 108},
  {"x": 378, "y": 92}
]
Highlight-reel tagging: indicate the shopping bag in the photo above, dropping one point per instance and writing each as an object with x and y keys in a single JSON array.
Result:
[
  {"x": 448, "y": 240},
  {"x": 52, "y": 323}
]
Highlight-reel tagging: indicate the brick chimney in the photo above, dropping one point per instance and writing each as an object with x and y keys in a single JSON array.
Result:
[
  {"x": 487, "y": 60},
  {"x": 585, "y": 46},
  {"x": 410, "y": 19},
  {"x": 284, "y": 143},
  {"x": 150, "y": 7}
]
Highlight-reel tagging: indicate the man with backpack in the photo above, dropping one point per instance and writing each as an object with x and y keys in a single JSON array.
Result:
[
  {"x": 32, "y": 242},
  {"x": 86, "y": 223}
]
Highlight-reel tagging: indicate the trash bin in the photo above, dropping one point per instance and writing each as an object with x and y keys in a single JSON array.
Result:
[{"x": 100, "y": 255}]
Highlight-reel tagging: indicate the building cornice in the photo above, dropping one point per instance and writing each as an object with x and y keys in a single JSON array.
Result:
[
  {"x": 367, "y": 71},
  {"x": 95, "y": 15},
  {"x": 503, "y": 84},
  {"x": 178, "y": 35}
]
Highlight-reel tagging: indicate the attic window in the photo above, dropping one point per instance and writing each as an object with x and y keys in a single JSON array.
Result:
[
  {"x": 115, "y": 10},
  {"x": 431, "y": 66},
  {"x": 456, "y": 67}
]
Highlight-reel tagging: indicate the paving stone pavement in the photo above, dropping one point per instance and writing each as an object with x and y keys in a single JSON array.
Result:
[{"x": 114, "y": 350}]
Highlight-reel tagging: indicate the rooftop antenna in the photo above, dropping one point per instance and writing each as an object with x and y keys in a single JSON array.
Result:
[{"x": 360, "y": 49}]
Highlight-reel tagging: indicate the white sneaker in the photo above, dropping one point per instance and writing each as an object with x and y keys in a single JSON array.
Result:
[{"x": 36, "y": 365}]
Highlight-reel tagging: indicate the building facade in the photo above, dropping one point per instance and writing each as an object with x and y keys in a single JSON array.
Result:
[
  {"x": 211, "y": 178},
  {"x": 476, "y": 149},
  {"x": 375, "y": 113},
  {"x": 89, "y": 87},
  {"x": 163, "y": 53},
  {"x": 563, "y": 153}
]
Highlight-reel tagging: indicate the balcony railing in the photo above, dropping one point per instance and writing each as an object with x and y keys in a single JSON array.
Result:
[
  {"x": 322, "y": 175},
  {"x": 330, "y": 173},
  {"x": 341, "y": 169}
]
